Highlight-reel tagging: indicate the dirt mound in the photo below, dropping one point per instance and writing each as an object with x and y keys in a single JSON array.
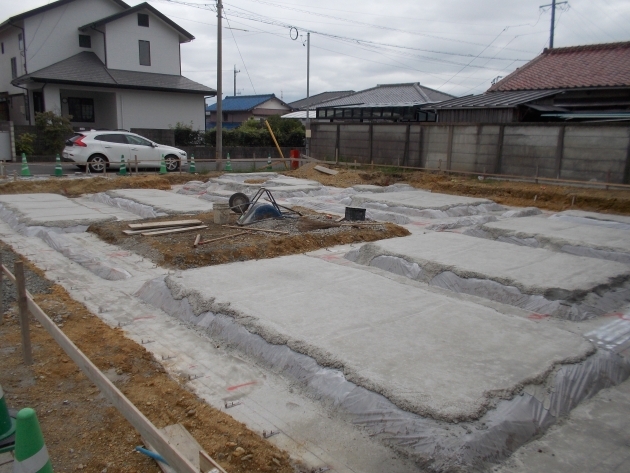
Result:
[{"x": 309, "y": 233}]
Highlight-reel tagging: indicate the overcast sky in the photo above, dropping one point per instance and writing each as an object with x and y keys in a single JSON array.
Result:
[{"x": 455, "y": 46}]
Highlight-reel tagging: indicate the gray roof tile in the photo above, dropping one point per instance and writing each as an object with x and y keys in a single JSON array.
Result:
[
  {"x": 391, "y": 94},
  {"x": 86, "y": 68}
]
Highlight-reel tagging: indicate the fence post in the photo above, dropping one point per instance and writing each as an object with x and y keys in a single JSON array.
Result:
[
  {"x": 20, "y": 285},
  {"x": 406, "y": 152},
  {"x": 371, "y": 134},
  {"x": 449, "y": 148},
  {"x": 497, "y": 165},
  {"x": 559, "y": 151}
]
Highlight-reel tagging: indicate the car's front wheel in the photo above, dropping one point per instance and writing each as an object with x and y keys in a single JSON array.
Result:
[
  {"x": 172, "y": 163},
  {"x": 97, "y": 163}
]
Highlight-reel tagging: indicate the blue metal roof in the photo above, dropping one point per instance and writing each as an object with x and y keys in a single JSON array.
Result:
[{"x": 241, "y": 103}]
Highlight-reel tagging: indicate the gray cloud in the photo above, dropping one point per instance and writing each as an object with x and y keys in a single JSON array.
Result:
[{"x": 457, "y": 46}]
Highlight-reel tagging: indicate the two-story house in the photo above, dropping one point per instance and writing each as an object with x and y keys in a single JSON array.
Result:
[{"x": 102, "y": 63}]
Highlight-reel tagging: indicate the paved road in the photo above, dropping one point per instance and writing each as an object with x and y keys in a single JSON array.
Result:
[{"x": 48, "y": 169}]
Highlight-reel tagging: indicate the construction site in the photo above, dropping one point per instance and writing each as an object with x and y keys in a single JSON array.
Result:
[{"x": 328, "y": 318}]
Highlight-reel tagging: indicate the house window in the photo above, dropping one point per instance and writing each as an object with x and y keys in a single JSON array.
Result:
[
  {"x": 13, "y": 68},
  {"x": 81, "y": 109},
  {"x": 85, "y": 41},
  {"x": 145, "y": 53},
  {"x": 38, "y": 102},
  {"x": 143, "y": 19}
]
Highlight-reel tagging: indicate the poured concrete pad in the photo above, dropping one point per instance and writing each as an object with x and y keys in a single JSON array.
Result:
[
  {"x": 426, "y": 352},
  {"x": 50, "y": 210},
  {"x": 420, "y": 200},
  {"x": 559, "y": 232},
  {"x": 532, "y": 270},
  {"x": 164, "y": 201}
]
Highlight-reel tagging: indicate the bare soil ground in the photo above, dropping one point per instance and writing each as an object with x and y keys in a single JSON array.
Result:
[
  {"x": 308, "y": 233},
  {"x": 83, "y": 431}
]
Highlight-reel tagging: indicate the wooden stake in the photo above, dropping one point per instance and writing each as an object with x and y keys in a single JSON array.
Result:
[
  {"x": 197, "y": 240},
  {"x": 27, "y": 352}
]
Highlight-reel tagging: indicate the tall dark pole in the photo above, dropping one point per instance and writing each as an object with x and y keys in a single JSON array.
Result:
[
  {"x": 308, "y": 84},
  {"x": 219, "y": 155},
  {"x": 553, "y": 22},
  {"x": 554, "y": 4}
]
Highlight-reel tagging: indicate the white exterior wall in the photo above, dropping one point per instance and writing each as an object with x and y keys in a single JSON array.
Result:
[
  {"x": 52, "y": 99},
  {"x": 53, "y": 36},
  {"x": 123, "y": 50},
  {"x": 140, "y": 109},
  {"x": 11, "y": 49}
]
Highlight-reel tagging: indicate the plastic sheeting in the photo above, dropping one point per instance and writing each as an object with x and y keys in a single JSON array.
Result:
[
  {"x": 458, "y": 222},
  {"x": 434, "y": 445},
  {"x": 144, "y": 211},
  {"x": 595, "y": 253},
  {"x": 54, "y": 237},
  {"x": 71, "y": 250},
  {"x": 591, "y": 221},
  {"x": 526, "y": 212}
]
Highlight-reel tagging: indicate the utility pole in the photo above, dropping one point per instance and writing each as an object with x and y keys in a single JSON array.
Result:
[
  {"x": 235, "y": 72},
  {"x": 308, "y": 83},
  {"x": 219, "y": 150},
  {"x": 553, "y": 6}
]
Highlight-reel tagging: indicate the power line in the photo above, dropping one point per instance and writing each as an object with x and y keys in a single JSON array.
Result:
[{"x": 239, "y": 53}]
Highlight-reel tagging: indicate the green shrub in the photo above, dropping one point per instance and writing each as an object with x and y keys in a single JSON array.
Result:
[
  {"x": 53, "y": 130},
  {"x": 186, "y": 136},
  {"x": 25, "y": 143},
  {"x": 254, "y": 133}
]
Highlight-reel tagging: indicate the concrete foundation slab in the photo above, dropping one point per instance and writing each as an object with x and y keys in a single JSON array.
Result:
[
  {"x": 420, "y": 200},
  {"x": 163, "y": 201},
  {"x": 50, "y": 210},
  {"x": 466, "y": 264},
  {"x": 619, "y": 222},
  {"x": 426, "y": 352},
  {"x": 567, "y": 236},
  {"x": 104, "y": 209}
]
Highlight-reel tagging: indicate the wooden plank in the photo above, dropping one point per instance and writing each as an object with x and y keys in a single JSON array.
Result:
[
  {"x": 25, "y": 329},
  {"x": 332, "y": 172},
  {"x": 143, "y": 425},
  {"x": 176, "y": 230},
  {"x": 138, "y": 232},
  {"x": 208, "y": 465},
  {"x": 257, "y": 229},
  {"x": 181, "y": 439},
  {"x": 171, "y": 223},
  {"x": 197, "y": 240},
  {"x": 222, "y": 238}
]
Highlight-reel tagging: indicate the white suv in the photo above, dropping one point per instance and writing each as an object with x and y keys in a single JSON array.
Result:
[{"x": 104, "y": 149}]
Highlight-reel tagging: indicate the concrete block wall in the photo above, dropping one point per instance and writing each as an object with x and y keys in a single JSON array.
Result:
[
  {"x": 553, "y": 150},
  {"x": 608, "y": 144}
]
